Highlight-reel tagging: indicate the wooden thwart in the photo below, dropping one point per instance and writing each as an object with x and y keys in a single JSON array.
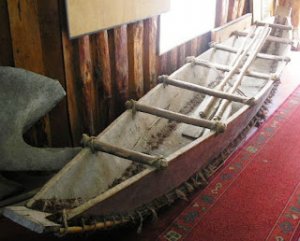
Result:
[
  {"x": 259, "y": 55},
  {"x": 227, "y": 68},
  {"x": 273, "y": 25},
  {"x": 96, "y": 145},
  {"x": 270, "y": 38},
  {"x": 170, "y": 115},
  {"x": 203, "y": 90}
]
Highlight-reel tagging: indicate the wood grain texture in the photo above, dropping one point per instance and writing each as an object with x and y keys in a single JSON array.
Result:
[
  {"x": 135, "y": 57},
  {"x": 150, "y": 52},
  {"x": 119, "y": 67},
  {"x": 87, "y": 82},
  {"x": 28, "y": 54},
  {"x": 241, "y": 8},
  {"x": 181, "y": 55},
  {"x": 54, "y": 67},
  {"x": 172, "y": 60},
  {"x": 233, "y": 9},
  {"x": 74, "y": 96},
  {"x": 6, "y": 56},
  {"x": 221, "y": 12},
  {"x": 103, "y": 81}
]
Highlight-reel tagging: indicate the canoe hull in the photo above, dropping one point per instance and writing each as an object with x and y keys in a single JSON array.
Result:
[{"x": 180, "y": 169}]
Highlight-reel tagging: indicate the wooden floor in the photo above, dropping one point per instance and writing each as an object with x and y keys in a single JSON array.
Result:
[{"x": 11, "y": 231}]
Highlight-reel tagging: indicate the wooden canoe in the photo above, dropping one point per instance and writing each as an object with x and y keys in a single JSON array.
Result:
[{"x": 166, "y": 144}]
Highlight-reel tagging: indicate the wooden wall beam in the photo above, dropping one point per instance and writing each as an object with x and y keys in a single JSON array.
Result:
[
  {"x": 103, "y": 81},
  {"x": 135, "y": 57},
  {"x": 233, "y": 9},
  {"x": 73, "y": 89},
  {"x": 6, "y": 52},
  {"x": 54, "y": 68},
  {"x": 221, "y": 12},
  {"x": 28, "y": 53},
  {"x": 87, "y": 81},
  {"x": 150, "y": 52},
  {"x": 119, "y": 67}
]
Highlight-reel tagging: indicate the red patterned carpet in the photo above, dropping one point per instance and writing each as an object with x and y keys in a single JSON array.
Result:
[{"x": 256, "y": 197}]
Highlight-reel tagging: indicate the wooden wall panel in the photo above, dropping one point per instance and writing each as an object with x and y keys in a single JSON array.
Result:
[
  {"x": 28, "y": 54},
  {"x": 99, "y": 72},
  {"x": 6, "y": 54},
  {"x": 222, "y": 7},
  {"x": 150, "y": 53},
  {"x": 119, "y": 67},
  {"x": 135, "y": 57},
  {"x": 103, "y": 80},
  {"x": 50, "y": 31}
]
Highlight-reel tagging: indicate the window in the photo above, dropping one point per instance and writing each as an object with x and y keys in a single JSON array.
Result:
[{"x": 186, "y": 20}]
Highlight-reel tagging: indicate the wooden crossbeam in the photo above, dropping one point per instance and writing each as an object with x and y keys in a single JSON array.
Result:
[
  {"x": 96, "y": 145},
  {"x": 274, "y": 25},
  {"x": 166, "y": 80},
  {"x": 227, "y": 68},
  {"x": 170, "y": 115},
  {"x": 259, "y": 55},
  {"x": 270, "y": 38}
]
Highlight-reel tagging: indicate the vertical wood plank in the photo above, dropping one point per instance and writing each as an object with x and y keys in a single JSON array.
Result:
[
  {"x": 27, "y": 50},
  {"x": 172, "y": 61},
  {"x": 150, "y": 53},
  {"x": 135, "y": 57},
  {"x": 221, "y": 12},
  {"x": 233, "y": 9},
  {"x": 6, "y": 56},
  {"x": 87, "y": 82},
  {"x": 103, "y": 80},
  {"x": 49, "y": 19},
  {"x": 119, "y": 66},
  {"x": 27, "y": 46},
  {"x": 163, "y": 62},
  {"x": 181, "y": 55},
  {"x": 194, "y": 46},
  {"x": 74, "y": 95},
  {"x": 241, "y": 8}
]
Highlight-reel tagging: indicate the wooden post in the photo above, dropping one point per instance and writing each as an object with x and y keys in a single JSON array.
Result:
[
  {"x": 221, "y": 12},
  {"x": 103, "y": 81},
  {"x": 135, "y": 51},
  {"x": 6, "y": 56},
  {"x": 150, "y": 52},
  {"x": 118, "y": 48},
  {"x": 28, "y": 52},
  {"x": 87, "y": 82},
  {"x": 50, "y": 28}
]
